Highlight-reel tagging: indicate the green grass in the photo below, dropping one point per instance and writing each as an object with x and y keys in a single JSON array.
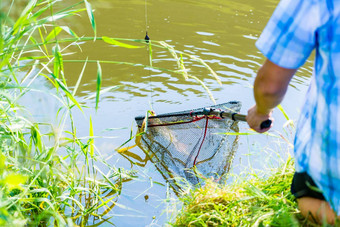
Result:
[{"x": 248, "y": 201}]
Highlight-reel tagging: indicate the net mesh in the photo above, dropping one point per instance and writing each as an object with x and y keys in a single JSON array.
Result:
[{"x": 177, "y": 142}]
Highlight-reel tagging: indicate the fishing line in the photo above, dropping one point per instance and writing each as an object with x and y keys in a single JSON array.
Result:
[
  {"x": 146, "y": 18},
  {"x": 148, "y": 41}
]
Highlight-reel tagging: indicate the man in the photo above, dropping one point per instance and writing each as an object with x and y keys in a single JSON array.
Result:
[{"x": 295, "y": 29}]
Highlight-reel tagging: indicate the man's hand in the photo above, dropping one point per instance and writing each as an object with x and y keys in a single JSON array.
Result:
[
  {"x": 255, "y": 119},
  {"x": 270, "y": 87}
]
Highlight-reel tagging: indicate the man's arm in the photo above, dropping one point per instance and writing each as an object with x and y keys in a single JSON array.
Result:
[{"x": 270, "y": 86}]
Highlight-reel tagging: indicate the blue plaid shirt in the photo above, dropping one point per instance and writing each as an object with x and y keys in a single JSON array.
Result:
[{"x": 294, "y": 30}]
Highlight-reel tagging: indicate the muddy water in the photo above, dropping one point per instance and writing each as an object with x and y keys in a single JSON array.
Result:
[{"x": 223, "y": 34}]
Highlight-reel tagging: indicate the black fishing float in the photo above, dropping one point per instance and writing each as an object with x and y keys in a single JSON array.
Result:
[{"x": 147, "y": 38}]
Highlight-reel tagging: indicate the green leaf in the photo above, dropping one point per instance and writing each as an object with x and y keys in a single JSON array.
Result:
[
  {"x": 99, "y": 83},
  {"x": 179, "y": 61},
  {"x": 67, "y": 92},
  {"x": 58, "y": 60},
  {"x": 208, "y": 67},
  {"x": 283, "y": 112},
  {"x": 91, "y": 142},
  {"x": 117, "y": 43},
  {"x": 23, "y": 17},
  {"x": 102, "y": 91},
  {"x": 54, "y": 18},
  {"x": 36, "y": 136},
  {"x": 79, "y": 78},
  {"x": 69, "y": 31},
  {"x": 150, "y": 53},
  {"x": 184, "y": 71},
  {"x": 53, "y": 33},
  {"x": 2, "y": 163},
  {"x": 14, "y": 180},
  {"x": 91, "y": 17}
]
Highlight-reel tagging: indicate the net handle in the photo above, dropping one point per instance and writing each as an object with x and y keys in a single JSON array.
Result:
[
  {"x": 238, "y": 117},
  {"x": 209, "y": 111}
]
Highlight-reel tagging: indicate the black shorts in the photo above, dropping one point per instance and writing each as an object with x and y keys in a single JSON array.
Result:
[{"x": 304, "y": 186}]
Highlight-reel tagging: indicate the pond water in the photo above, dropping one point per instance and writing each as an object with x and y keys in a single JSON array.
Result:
[{"x": 223, "y": 34}]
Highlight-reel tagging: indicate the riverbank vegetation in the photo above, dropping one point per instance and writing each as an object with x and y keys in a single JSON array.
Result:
[
  {"x": 256, "y": 201},
  {"x": 49, "y": 175}
]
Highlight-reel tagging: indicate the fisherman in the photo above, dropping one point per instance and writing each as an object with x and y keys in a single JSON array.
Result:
[{"x": 296, "y": 28}]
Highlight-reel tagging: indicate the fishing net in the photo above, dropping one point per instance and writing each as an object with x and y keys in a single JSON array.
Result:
[{"x": 179, "y": 142}]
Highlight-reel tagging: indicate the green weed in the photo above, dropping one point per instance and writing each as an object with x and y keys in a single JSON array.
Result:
[{"x": 248, "y": 201}]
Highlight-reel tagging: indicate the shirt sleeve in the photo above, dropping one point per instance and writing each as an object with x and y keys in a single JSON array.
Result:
[{"x": 289, "y": 37}]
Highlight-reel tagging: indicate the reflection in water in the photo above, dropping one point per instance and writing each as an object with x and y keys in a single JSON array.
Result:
[
  {"x": 87, "y": 199},
  {"x": 187, "y": 148},
  {"x": 87, "y": 212}
]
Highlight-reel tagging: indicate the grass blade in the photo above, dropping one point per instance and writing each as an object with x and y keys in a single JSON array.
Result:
[
  {"x": 67, "y": 92},
  {"x": 91, "y": 142},
  {"x": 150, "y": 53},
  {"x": 181, "y": 64},
  {"x": 91, "y": 17},
  {"x": 283, "y": 112},
  {"x": 99, "y": 83},
  {"x": 53, "y": 34},
  {"x": 108, "y": 89},
  {"x": 58, "y": 61},
  {"x": 69, "y": 31},
  {"x": 79, "y": 79},
  {"x": 179, "y": 61},
  {"x": 117, "y": 43},
  {"x": 209, "y": 68},
  {"x": 23, "y": 16}
]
